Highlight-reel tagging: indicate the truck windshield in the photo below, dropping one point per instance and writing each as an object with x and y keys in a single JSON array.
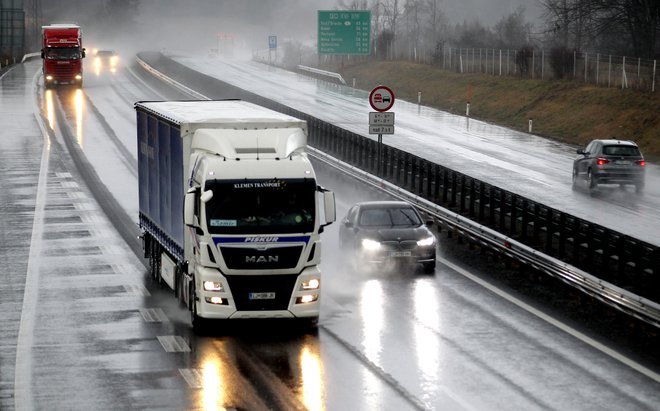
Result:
[
  {"x": 261, "y": 206},
  {"x": 63, "y": 53}
]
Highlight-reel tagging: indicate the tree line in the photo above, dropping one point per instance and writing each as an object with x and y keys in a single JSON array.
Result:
[{"x": 412, "y": 28}]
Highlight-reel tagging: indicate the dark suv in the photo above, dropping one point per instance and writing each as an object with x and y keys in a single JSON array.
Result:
[{"x": 610, "y": 162}]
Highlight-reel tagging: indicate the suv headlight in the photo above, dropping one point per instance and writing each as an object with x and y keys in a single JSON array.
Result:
[{"x": 425, "y": 242}]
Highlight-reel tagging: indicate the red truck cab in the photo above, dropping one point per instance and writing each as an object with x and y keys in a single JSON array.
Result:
[{"x": 62, "y": 54}]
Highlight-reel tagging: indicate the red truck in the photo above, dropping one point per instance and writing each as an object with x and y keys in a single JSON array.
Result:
[{"x": 62, "y": 54}]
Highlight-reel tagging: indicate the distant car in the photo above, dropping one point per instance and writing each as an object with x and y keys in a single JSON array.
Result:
[
  {"x": 106, "y": 58},
  {"x": 378, "y": 233},
  {"x": 609, "y": 162}
]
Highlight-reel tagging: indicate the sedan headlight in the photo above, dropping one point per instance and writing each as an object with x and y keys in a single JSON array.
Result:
[
  {"x": 425, "y": 242},
  {"x": 370, "y": 245}
]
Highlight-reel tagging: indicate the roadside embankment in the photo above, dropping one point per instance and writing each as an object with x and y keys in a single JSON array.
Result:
[{"x": 566, "y": 111}]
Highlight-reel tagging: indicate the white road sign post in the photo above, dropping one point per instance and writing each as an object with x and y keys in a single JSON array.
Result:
[{"x": 381, "y": 99}]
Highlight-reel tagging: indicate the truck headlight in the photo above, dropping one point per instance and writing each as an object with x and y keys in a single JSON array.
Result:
[
  {"x": 305, "y": 299},
  {"x": 213, "y": 286},
  {"x": 78, "y": 77},
  {"x": 312, "y": 284},
  {"x": 370, "y": 245},
  {"x": 49, "y": 77},
  {"x": 425, "y": 242}
]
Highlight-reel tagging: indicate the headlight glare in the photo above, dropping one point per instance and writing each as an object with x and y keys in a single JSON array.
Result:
[
  {"x": 312, "y": 284},
  {"x": 370, "y": 245},
  {"x": 213, "y": 286},
  {"x": 425, "y": 242}
]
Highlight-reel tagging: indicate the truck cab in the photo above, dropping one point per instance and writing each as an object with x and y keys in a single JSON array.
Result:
[{"x": 62, "y": 54}]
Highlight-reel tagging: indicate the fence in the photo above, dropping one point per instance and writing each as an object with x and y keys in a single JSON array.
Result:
[{"x": 603, "y": 70}]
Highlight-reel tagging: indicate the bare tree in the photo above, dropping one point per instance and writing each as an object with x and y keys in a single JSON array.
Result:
[
  {"x": 512, "y": 31},
  {"x": 584, "y": 23}
]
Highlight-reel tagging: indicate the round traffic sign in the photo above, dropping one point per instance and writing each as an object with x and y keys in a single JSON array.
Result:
[{"x": 381, "y": 98}]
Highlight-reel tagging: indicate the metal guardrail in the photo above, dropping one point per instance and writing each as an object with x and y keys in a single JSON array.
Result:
[
  {"x": 323, "y": 73},
  {"x": 624, "y": 300},
  {"x": 430, "y": 186}
]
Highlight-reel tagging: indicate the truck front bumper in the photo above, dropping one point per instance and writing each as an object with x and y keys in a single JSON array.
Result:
[{"x": 259, "y": 296}]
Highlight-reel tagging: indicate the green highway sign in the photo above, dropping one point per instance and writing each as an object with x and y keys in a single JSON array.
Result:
[{"x": 344, "y": 32}]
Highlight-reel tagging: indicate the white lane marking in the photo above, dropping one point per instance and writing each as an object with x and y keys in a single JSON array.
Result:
[
  {"x": 193, "y": 377},
  {"x": 25, "y": 342},
  {"x": 144, "y": 83},
  {"x": 153, "y": 315},
  {"x": 587, "y": 340},
  {"x": 138, "y": 290},
  {"x": 173, "y": 343}
]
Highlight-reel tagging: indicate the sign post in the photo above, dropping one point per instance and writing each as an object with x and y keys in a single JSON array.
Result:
[
  {"x": 272, "y": 45},
  {"x": 381, "y": 122}
]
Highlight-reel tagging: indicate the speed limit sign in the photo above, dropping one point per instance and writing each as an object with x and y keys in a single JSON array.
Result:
[{"x": 381, "y": 98}]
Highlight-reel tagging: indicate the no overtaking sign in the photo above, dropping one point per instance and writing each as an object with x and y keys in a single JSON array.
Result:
[{"x": 381, "y": 99}]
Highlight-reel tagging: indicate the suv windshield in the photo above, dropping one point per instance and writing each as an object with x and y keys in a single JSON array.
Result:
[
  {"x": 621, "y": 151},
  {"x": 389, "y": 217},
  {"x": 261, "y": 206},
  {"x": 65, "y": 53}
]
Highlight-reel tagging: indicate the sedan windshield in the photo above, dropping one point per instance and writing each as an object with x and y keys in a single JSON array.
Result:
[
  {"x": 389, "y": 217},
  {"x": 261, "y": 206}
]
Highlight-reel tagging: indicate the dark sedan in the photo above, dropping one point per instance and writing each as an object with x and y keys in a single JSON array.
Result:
[{"x": 378, "y": 233}]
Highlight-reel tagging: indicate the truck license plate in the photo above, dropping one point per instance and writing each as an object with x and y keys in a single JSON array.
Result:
[
  {"x": 400, "y": 254},
  {"x": 261, "y": 296}
]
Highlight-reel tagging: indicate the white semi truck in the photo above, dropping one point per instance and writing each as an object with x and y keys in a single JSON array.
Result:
[{"x": 230, "y": 209}]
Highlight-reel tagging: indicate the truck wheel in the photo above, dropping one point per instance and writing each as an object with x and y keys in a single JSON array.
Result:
[{"x": 196, "y": 321}]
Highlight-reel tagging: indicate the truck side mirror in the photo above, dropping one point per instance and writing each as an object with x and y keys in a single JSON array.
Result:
[
  {"x": 43, "y": 55},
  {"x": 189, "y": 208},
  {"x": 329, "y": 205},
  {"x": 83, "y": 53}
]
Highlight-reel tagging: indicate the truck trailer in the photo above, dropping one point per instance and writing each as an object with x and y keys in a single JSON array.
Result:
[
  {"x": 62, "y": 53},
  {"x": 230, "y": 209}
]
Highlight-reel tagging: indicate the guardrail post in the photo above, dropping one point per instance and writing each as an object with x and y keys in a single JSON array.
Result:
[
  {"x": 413, "y": 174},
  {"x": 562, "y": 235},
  {"x": 525, "y": 219},
  {"x": 536, "y": 222},
  {"x": 549, "y": 230},
  {"x": 472, "y": 198},
  {"x": 463, "y": 195},
  {"x": 406, "y": 169},
  {"x": 502, "y": 209},
  {"x": 453, "y": 189},
  {"x": 445, "y": 185},
  {"x": 491, "y": 206},
  {"x": 429, "y": 178},
  {"x": 589, "y": 237},
  {"x": 399, "y": 166},
  {"x": 514, "y": 214},
  {"x": 576, "y": 239},
  {"x": 482, "y": 199},
  {"x": 436, "y": 183}
]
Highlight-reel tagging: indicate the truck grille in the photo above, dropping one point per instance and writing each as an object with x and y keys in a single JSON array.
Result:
[
  {"x": 238, "y": 258},
  {"x": 281, "y": 285}
]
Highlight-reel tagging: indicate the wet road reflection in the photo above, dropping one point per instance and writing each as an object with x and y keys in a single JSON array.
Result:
[
  {"x": 311, "y": 373},
  {"x": 427, "y": 344},
  {"x": 371, "y": 303}
]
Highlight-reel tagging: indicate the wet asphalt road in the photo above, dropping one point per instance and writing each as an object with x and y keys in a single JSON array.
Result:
[{"x": 83, "y": 327}]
